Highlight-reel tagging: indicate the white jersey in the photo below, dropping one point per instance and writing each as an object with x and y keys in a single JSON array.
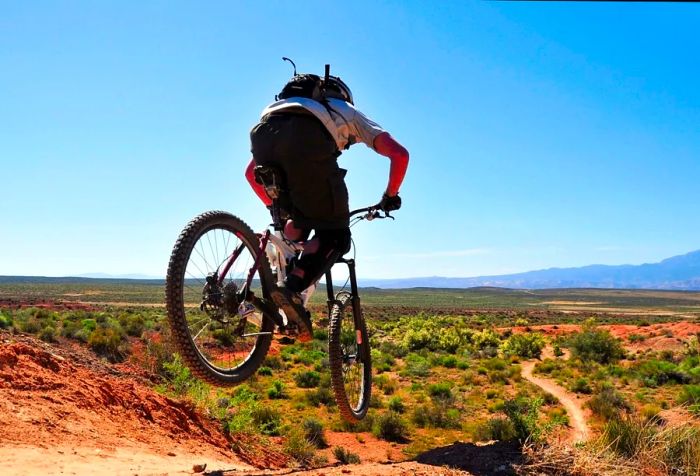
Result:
[{"x": 346, "y": 124}]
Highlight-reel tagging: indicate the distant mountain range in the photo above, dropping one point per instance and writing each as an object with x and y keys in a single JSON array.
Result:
[{"x": 678, "y": 273}]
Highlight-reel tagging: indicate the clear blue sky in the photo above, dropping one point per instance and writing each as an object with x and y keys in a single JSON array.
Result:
[{"x": 541, "y": 134}]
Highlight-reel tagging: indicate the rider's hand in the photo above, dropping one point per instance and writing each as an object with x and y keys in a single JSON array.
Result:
[{"x": 390, "y": 203}]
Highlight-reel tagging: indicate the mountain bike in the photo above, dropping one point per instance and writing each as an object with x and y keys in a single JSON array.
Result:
[{"x": 222, "y": 318}]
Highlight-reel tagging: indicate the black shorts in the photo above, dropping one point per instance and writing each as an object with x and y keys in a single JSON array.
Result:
[{"x": 302, "y": 147}]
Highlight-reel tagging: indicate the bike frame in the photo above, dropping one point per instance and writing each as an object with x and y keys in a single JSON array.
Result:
[{"x": 280, "y": 249}]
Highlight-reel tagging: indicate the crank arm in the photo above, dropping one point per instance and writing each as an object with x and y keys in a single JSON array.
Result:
[{"x": 267, "y": 310}]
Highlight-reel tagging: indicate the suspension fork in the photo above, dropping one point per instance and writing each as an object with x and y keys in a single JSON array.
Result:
[{"x": 355, "y": 295}]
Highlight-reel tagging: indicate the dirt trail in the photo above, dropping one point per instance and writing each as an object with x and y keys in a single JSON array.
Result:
[
  {"x": 62, "y": 411},
  {"x": 579, "y": 431}
]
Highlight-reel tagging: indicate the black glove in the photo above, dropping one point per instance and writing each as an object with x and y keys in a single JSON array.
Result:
[{"x": 389, "y": 204}]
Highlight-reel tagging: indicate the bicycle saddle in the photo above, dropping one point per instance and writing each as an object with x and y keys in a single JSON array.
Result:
[{"x": 272, "y": 178}]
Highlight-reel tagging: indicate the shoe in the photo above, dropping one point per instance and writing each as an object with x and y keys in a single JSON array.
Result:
[{"x": 293, "y": 307}]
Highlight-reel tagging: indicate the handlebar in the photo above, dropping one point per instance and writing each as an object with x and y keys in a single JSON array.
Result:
[{"x": 370, "y": 213}]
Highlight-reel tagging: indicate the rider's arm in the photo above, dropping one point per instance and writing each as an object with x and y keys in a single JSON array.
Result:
[
  {"x": 257, "y": 188},
  {"x": 385, "y": 145}
]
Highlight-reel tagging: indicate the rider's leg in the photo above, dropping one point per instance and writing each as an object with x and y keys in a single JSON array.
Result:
[{"x": 320, "y": 253}]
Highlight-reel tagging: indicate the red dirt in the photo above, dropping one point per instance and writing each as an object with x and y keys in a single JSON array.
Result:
[
  {"x": 81, "y": 414},
  {"x": 664, "y": 336},
  {"x": 15, "y": 303}
]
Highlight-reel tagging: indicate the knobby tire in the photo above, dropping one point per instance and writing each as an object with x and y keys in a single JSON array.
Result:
[
  {"x": 175, "y": 303},
  {"x": 341, "y": 315}
]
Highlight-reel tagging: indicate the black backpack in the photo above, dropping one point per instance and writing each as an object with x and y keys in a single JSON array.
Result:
[{"x": 303, "y": 86}]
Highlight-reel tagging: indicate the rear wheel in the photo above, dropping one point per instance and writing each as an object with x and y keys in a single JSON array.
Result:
[
  {"x": 222, "y": 339},
  {"x": 350, "y": 361}
]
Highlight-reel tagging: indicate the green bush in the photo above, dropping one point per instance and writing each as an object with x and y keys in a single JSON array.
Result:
[
  {"x": 5, "y": 321},
  {"x": 608, "y": 403},
  {"x": 307, "y": 379},
  {"x": 581, "y": 385},
  {"x": 441, "y": 391},
  {"x": 345, "y": 456},
  {"x": 267, "y": 419},
  {"x": 395, "y": 404},
  {"x": 390, "y": 426},
  {"x": 265, "y": 371},
  {"x": 299, "y": 448},
  {"x": 523, "y": 414},
  {"x": 526, "y": 345},
  {"x": 690, "y": 395},
  {"x": 48, "y": 334},
  {"x": 436, "y": 415},
  {"x": 314, "y": 433},
  {"x": 277, "y": 391},
  {"x": 416, "y": 366},
  {"x": 500, "y": 429},
  {"x": 107, "y": 342},
  {"x": 659, "y": 372},
  {"x": 592, "y": 344}
]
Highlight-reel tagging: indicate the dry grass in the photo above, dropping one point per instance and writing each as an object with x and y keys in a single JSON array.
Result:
[{"x": 627, "y": 447}]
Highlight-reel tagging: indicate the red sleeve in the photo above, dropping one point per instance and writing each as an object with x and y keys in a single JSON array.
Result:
[
  {"x": 385, "y": 145},
  {"x": 257, "y": 188}
]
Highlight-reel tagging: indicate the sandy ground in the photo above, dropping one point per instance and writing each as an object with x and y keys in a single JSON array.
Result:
[{"x": 73, "y": 414}]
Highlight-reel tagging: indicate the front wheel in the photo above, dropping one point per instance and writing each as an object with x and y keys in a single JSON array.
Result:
[
  {"x": 220, "y": 337},
  {"x": 350, "y": 361}
]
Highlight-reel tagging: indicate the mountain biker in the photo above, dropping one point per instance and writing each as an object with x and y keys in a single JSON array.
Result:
[{"x": 304, "y": 137}]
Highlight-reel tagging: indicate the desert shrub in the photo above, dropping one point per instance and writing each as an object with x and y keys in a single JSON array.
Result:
[
  {"x": 486, "y": 342},
  {"x": 276, "y": 391},
  {"x": 593, "y": 344},
  {"x": 650, "y": 412},
  {"x": 375, "y": 401},
  {"x": 581, "y": 385},
  {"x": 345, "y": 456},
  {"x": 556, "y": 349},
  {"x": 527, "y": 345},
  {"x": 441, "y": 391},
  {"x": 180, "y": 381},
  {"x": 267, "y": 419},
  {"x": 416, "y": 366},
  {"x": 159, "y": 351},
  {"x": 659, "y": 372},
  {"x": 690, "y": 395},
  {"x": 436, "y": 415},
  {"x": 671, "y": 449},
  {"x": 48, "y": 334},
  {"x": 390, "y": 386},
  {"x": 299, "y": 448},
  {"x": 265, "y": 371},
  {"x": 307, "y": 379},
  {"x": 395, "y": 404},
  {"x": 30, "y": 325},
  {"x": 133, "y": 324},
  {"x": 322, "y": 394},
  {"x": 398, "y": 351},
  {"x": 692, "y": 346},
  {"x": 608, "y": 403},
  {"x": 500, "y": 429},
  {"x": 523, "y": 413},
  {"x": 390, "y": 426},
  {"x": 274, "y": 362},
  {"x": 416, "y": 339},
  {"x": 381, "y": 361},
  {"x": 106, "y": 341},
  {"x": 5, "y": 321},
  {"x": 314, "y": 433},
  {"x": 447, "y": 361}
]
